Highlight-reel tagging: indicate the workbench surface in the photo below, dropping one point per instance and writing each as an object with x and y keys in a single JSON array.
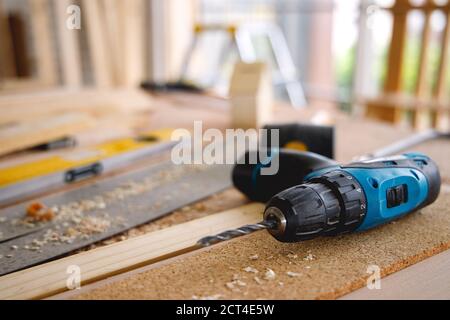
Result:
[{"x": 322, "y": 268}]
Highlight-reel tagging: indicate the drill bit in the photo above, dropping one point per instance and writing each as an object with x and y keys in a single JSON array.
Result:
[{"x": 242, "y": 231}]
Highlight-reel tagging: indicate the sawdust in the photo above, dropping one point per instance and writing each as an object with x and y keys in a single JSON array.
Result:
[
  {"x": 221, "y": 201},
  {"x": 293, "y": 274},
  {"x": 250, "y": 269},
  {"x": 213, "y": 297},
  {"x": 82, "y": 219},
  {"x": 270, "y": 274},
  {"x": 257, "y": 280},
  {"x": 309, "y": 257}
]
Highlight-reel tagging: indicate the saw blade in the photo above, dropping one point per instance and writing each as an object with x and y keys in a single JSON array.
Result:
[{"x": 103, "y": 209}]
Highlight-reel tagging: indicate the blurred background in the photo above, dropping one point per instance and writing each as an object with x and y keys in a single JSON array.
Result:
[{"x": 385, "y": 59}]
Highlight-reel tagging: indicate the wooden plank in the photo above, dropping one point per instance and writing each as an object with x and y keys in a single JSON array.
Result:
[
  {"x": 126, "y": 41},
  {"x": 98, "y": 43},
  {"x": 21, "y": 85},
  {"x": 18, "y": 107},
  {"x": 43, "y": 41},
  {"x": 133, "y": 46},
  {"x": 97, "y": 103},
  {"x": 440, "y": 92},
  {"x": 425, "y": 280},
  {"x": 442, "y": 116},
  {"x": 397, "y": 47},
  {"x": 383, "y": 110},
  {"x": 69, "y": 46},
  {"x": 395, "y": 62},
  {"x": 421, "y": 116},
  {"x": 7, "y": 61},
  {"x": 50, "y": 278},
  {"x": 115, "y": 38},
  {"x": 22, "y": 135},
  {"x": 19, "y": 34}
]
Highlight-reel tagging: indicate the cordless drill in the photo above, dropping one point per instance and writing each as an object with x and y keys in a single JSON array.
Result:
[{"x": 313, "y": 196}]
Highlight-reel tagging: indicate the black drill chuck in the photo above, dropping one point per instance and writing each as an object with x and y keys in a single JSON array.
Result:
[{"x": 329, "y": 205}]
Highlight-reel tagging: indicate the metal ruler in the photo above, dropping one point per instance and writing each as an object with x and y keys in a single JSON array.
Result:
[{"x": 103, "y": 209}]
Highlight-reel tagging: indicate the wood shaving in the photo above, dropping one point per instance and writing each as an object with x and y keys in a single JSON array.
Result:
[
  {"x": 213, "y": 297},
  {"x": 309, "y": 257},
  {"x": 258, "y": 280},
  {"x": 73, "y": 220},
  {"x": 293, "y": 274},
  {"x": 199, "y": 207},
  {"x": 250, "y": 270},
  {"x": 254, "y": 257},
  {"x": 40, "y": 212},
  {"x": 292, "y": 256},
  {"x": 230, "y": 285},
  {"x": 14, "y": 247},
  {"x": 240, "y": 283},
  {"x": 270, "y": 274},
  {"x": 9, "y": 256}
]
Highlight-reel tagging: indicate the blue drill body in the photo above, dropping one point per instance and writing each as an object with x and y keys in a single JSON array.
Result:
[{"x": 376, "y": 181}]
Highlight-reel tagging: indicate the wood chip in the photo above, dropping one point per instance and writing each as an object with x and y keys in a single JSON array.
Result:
[
  {"x": 240, "y": 283},
  {"x": 254, "y": 257},
  {"x": 230, "y": 285},
  {"x": 292, "y": 256},
  {"x": 213, "y": 297},
  {"x": 40, "y": 212},
  {"x": 309, "y": 257},
  {"x": 270, "y": 274},
  {"x": 250, "y": 270},
  {"x": 293, "y": 274},
  {"x": 258, "y": 280}
]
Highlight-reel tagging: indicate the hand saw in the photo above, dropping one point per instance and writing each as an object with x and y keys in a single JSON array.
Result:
[{"x": 102, "y": 209}]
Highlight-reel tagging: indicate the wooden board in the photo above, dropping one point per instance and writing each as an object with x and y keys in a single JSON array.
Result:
[
  {"x": 97, "y": 103},
  {"x": 50, "y": 278},
  {"x": 425, "y": 280},
  {"x": 69, "y": 46},
  {"x": 100, "y": 54},
  {"x": 7, "y": 61},
  {"x": 22, "y": 135},
  {"x": 133, "y": 41},
  {"x": 43, "y": 42}
]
